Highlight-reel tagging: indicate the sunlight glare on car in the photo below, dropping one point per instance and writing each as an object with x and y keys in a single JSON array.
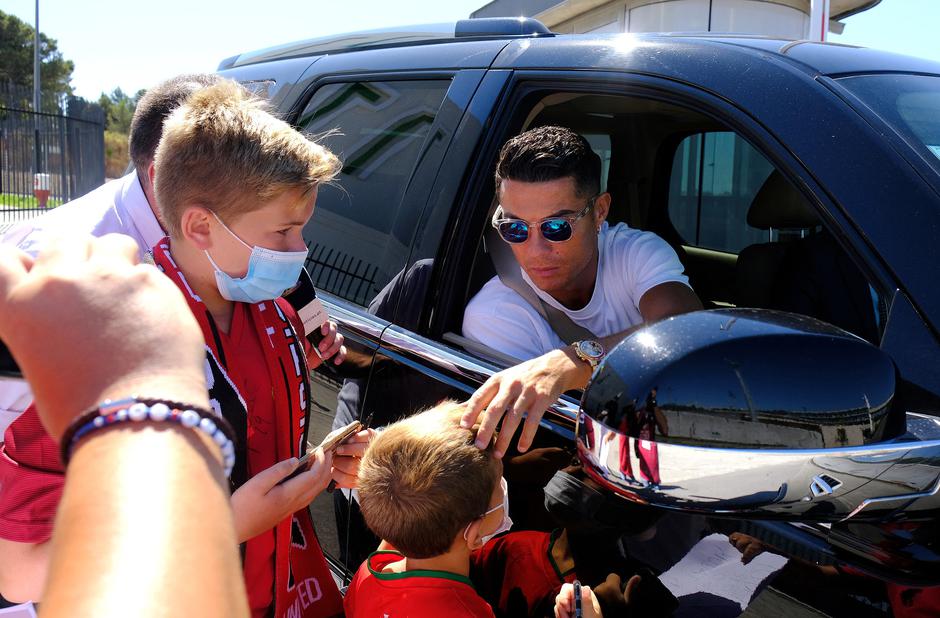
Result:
[
  {"x": 647, "y": 340},
  {"x": 625, "y": 42}
]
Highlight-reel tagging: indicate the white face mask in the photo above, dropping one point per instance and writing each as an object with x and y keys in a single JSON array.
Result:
[
  {"x": 504, "y": 525},
  {"x": 269, "y": 274}
]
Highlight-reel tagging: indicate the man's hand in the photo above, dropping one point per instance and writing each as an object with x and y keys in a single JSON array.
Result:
[
  {"x": 86, "y": 322},
  {"x": 528, "y": 388},
  {"x": 331, "y": 346},
  {"x": 347, "y": 457},
  {"x": 749, "y": 546}
]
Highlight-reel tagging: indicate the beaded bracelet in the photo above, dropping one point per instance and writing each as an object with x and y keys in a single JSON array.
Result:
[{"x": 133, "y": 409}]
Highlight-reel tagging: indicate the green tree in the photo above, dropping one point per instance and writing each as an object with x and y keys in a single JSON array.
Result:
[
  {"x": 119, "y": 109},
  {"x": 16, "y": 60}
]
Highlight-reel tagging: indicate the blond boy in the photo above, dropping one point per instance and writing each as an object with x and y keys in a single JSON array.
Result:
[
  {"x": 235, "y": 186},
  {"x": 433, "y": 497}
]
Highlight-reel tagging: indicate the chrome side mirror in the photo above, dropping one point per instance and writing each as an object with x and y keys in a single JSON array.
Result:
[{"x": 757, "y": 413}]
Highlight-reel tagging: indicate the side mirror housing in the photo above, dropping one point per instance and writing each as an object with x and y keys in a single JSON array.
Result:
[{"x": 750, "y": 412}]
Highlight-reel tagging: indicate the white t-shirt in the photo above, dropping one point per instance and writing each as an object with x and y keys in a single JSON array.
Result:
[
  {"x": 630, "y": 263},
  {"x": 119, "y": 207}
]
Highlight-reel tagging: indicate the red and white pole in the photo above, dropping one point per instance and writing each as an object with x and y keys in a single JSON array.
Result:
[
  {"x": 41, "y": 189},
  {"x": 818, "y": 20}
]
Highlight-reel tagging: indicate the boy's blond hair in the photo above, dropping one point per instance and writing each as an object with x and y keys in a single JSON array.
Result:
[
  {"x": 224, "y": 151},
  {"x": 422, "y": 480}
]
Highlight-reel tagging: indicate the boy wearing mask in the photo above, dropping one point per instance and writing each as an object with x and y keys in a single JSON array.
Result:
[{"x": 235, "y": 187}]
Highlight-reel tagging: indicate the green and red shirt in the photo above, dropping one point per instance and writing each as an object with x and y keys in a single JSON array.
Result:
[{"x": 411, "y": 594}]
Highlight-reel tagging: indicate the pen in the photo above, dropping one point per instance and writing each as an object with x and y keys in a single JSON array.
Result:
[{"x": 577, "y": 599}]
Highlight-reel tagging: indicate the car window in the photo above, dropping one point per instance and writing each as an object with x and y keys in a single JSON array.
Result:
[
  {"x": 909, "y": 103},
  {"x": 715, "y": 177},
  {"x": 745, "y": 233},
  {"x": 360, "y": 234},
  {"x": 600, "y": 143}
]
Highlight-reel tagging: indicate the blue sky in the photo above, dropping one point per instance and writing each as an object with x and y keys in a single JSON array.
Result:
[{"x": 136, "y": 44}]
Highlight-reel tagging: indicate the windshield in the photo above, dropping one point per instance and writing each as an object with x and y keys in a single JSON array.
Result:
[{"x": 909, "y": 103}]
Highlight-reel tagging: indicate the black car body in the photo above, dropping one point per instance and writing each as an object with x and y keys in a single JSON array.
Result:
[{"x": 690, "y": 129}]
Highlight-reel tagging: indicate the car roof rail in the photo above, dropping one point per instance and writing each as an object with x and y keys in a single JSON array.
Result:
[
  {"x": 463, "y": 30},
  {"x": 500, "y": 27}
]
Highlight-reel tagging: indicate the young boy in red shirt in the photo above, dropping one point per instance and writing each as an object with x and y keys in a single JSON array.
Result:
[{"x": 433, "y": 497}]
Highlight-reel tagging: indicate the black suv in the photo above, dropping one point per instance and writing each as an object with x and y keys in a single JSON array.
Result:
[{"x": 786, "y": 174}]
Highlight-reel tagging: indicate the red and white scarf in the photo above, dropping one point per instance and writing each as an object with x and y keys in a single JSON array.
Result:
[{"x": 303, "y": 585}]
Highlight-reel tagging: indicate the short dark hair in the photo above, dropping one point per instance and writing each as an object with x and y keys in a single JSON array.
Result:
[
  {"x": 549, "y": 153},
  {"x": 153, "y": 108}
]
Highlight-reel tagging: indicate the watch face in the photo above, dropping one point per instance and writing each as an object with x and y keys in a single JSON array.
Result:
[{"x": 591, "y": 349}]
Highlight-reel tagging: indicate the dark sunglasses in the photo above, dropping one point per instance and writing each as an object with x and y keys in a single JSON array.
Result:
[{"x": 553, "y": 229}]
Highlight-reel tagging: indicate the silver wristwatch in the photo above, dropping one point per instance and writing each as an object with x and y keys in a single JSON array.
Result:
[{"x": 591, "y": 352}]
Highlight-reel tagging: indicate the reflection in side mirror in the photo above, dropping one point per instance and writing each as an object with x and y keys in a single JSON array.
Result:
[{"x": 744, "y": 411}]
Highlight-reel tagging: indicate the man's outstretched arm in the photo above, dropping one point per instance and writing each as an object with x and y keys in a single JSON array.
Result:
[{"x": 531, "y": 387}]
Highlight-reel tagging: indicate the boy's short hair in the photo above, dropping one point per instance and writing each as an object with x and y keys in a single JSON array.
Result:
[
  {"x": 422, "y": 480},
  {"x": 549, "y": 153},
  {"x": 224, "y": 151},
  {"x": 153, "y": 108}
]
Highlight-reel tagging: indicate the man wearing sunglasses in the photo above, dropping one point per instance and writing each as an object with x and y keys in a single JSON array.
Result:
[{"x": 607, "y": 280}]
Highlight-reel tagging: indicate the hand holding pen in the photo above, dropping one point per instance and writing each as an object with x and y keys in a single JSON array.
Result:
[
  {"x": 577, "y": 601},
  {"x": 348, "y": 454}
]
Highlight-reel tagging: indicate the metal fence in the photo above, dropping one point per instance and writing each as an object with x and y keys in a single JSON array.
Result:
[
  {"x": 348, "y": 277},
  {"x": 64, "y": 140}
]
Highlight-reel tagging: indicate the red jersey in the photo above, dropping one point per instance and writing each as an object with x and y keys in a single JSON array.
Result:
[
  {"x": 517, "y": 575},
  {"x": 31, "y": 481},
  {"x": 412, "y": 594}
]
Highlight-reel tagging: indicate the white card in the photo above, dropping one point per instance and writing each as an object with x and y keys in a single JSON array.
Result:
[{"x": 313, "y": 315}]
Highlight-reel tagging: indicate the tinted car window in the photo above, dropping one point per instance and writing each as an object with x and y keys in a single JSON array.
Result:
[
  {"x": 909, "y": 103},
  {"x": 714, "y": 179},
  {"x": 361, "y": 231},
  {"x": 600, "y": 143}
]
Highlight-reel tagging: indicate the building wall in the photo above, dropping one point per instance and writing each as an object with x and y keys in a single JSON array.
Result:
[
  {"x": 779, "y": 19},
  {"x": 513, "y": 8}
]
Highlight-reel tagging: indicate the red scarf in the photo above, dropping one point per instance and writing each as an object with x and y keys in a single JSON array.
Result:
[{"x": 303, "y": 585}]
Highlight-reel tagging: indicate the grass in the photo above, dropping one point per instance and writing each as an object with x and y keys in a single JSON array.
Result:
[{"x": 12, "y": 200}]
